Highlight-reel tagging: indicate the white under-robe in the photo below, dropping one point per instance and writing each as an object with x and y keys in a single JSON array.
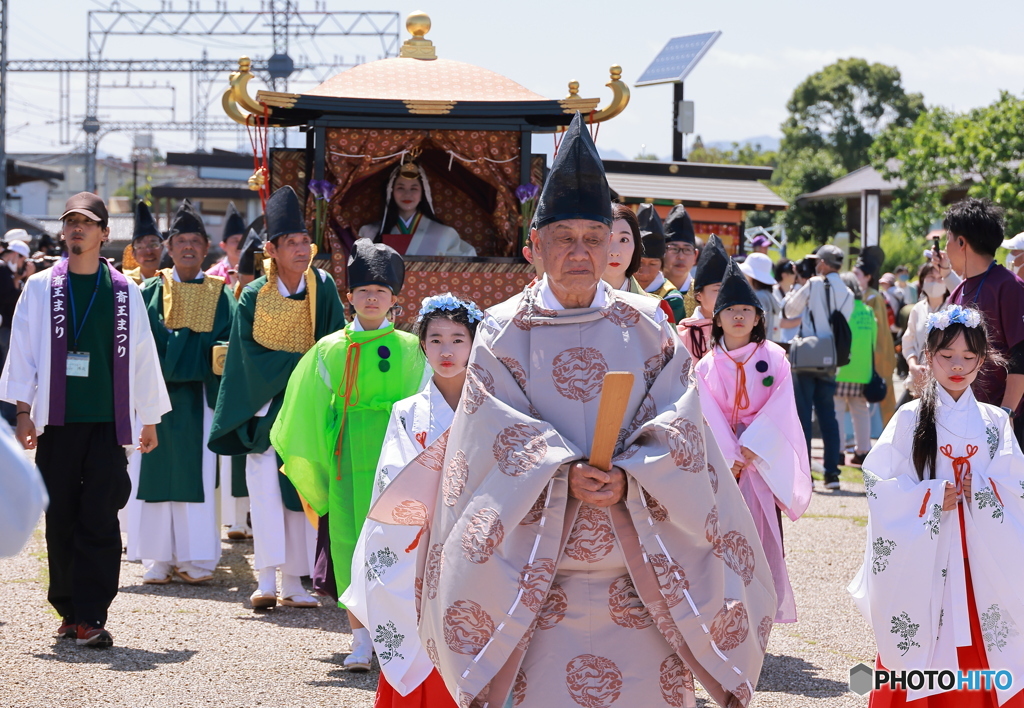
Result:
[
  {"x": 281, "y": 538},
  {"x": 912, "y": 585},
  {"x": 430, "y": 239},
  {"x": 383, "y": 564}
]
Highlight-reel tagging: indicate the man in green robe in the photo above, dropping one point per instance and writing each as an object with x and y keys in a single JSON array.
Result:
[
  {"x": 280, "y": 317},
  {"x": 337, "y": 407},
  {"x": 189, "y": 313}
]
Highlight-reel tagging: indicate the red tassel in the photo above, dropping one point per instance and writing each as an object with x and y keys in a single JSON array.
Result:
[
  {"x": 993, "y": 483},
  {"x": 416, "y": 541},
  {"x": 924, "y": 504}
]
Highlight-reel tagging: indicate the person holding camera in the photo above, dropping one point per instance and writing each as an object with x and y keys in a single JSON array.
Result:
[{"x": 815, "y": 302}]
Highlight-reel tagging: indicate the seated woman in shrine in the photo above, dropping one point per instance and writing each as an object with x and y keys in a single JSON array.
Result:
[{"x": 409, "y": 225}]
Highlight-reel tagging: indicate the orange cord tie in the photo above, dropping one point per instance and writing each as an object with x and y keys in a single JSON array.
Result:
[
  {"x": 351, "y": 387},
  {"x": 742, "y": 395},
  {"x": 415, "y": 541},
  {"x": 924, "y": 504},
  {"x": 993, "y": 483},
  {"x": 961, "y": 465}
]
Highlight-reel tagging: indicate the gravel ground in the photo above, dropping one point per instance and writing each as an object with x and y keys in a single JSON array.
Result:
[{"x": 180, "y": 645}]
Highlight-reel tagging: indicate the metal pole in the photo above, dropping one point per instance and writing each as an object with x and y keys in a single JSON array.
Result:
[
  {"x": 135, "y": 181},
  {"x": 3, "y": 116},
  {"x": 677, "y": 108}
]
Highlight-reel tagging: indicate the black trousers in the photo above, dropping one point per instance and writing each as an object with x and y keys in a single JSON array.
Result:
[{"x": 86, "y": 475}]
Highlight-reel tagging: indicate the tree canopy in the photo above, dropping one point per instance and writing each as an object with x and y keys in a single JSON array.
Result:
[
  {"x": 982, "y": 148},
  {"x": 834, "y": 116},
  {"x": 842, "y": 107}
]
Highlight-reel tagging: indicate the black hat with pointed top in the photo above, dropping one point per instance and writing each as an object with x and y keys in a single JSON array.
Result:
[
  {"x": 284, "y": 214},
  {"x": 651, "y": 231},
  {"x": 234, "y": 224},
  {"x": 375, "y": 264},
  {"x": 187, "y": 221},
  {"x": 679, "y": 226},
  {"x": 736, "y": 290},
  {"x": 251, "y": 247},
  {"x": 711, "y": 264},
  {"x": 576, "y": 187},
  {"x": 145, "y": 223}
]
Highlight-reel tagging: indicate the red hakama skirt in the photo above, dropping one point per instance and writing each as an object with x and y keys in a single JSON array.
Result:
[{"x": 432, "y": 693}]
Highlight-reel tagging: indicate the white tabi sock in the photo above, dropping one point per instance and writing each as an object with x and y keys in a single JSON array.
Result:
[
  {"x": 361, "y": 639},
  {"x": 241, "y": 509},
  {"x": 268, "y": 580},
  {"x": 291, "y": 586}
]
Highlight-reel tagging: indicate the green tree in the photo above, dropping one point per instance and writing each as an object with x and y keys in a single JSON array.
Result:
[
  {"x": 982, "y": 148},
  {"x": 745, "y": 154},
  {"x": 800, "y": 172},
  {"x": 842, "y": 107},
  {"x": 834, "y": 116}
]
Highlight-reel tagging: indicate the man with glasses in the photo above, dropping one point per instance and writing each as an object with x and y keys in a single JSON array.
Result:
[
  {"x": 147, "y": 246},
  {"x": 680, "y": 250},
  {"x": 84, "y": 374}
]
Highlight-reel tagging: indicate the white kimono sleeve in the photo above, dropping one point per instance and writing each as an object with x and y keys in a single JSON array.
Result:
[{"x": 899, "y": 587}]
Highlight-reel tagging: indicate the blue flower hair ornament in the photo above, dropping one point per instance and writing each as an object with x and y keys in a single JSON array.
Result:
[
  {"x": 955, "y": 314},
  {"x": 449, "y": 303}
]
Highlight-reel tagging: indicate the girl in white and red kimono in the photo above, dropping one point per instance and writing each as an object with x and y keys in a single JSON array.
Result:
[
  {"x": 747, "y": 394},
  {"x": 383, "y": 594},
  {"x": 942, "y": 580}
]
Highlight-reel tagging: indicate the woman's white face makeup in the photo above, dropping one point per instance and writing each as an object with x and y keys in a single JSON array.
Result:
[
  {"x": 955, "y": 367},
  {"x": 620, "y": 253}
]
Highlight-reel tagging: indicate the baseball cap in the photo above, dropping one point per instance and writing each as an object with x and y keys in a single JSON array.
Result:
[
  {"x": 19, "y": 247},
  {"x": 760, "y": 241},
  {"x": 87, "y": 204},
  {"x": 832, "y": 255}
]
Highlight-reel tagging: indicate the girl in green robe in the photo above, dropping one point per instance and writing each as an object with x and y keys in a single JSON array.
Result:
[{"x": 337, "y": 406}]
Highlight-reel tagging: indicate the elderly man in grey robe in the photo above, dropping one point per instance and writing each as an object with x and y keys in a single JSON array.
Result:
[{"x": 544, "y": 580}]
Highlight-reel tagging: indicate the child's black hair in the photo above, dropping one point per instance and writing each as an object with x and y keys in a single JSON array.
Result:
[{"x": 926, "y": 441}]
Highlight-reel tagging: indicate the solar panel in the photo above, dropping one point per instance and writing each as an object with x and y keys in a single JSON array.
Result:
[{"x": 679, "y": 57}]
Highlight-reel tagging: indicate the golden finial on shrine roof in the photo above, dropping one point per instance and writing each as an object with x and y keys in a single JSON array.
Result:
[{"x": 418, "y": 47}]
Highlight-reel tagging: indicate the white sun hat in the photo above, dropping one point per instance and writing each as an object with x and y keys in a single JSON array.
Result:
[
  {"x": 759, "y": 267},
  {"x": 1016, "y": 243}
]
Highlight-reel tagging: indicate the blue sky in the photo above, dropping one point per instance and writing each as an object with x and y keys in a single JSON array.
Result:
[{"x": 958, "y": 55}]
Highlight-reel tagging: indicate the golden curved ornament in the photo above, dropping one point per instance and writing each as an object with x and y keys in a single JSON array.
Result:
[
  {"x": 237, "y": 95},
  {"x": 620, "y": 97},
  {"x": 588, "y": 106}
]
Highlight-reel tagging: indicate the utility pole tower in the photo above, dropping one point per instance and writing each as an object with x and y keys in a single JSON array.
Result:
[{"x": 281, "y": 20}]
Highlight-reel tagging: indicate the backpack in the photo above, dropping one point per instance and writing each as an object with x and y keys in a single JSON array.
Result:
[
  {"x": 841, "y": 333},
  {"x": 821, "y": 354}
]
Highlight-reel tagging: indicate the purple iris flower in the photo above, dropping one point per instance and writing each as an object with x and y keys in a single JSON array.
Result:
[
  {"x": 526, "y": 192},
  {"x": 321, "y": 189}
]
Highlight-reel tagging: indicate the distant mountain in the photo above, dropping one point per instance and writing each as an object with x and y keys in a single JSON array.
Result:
[
  {"x": 611, "y": 154},
  {"x": 767, "y": 143}
]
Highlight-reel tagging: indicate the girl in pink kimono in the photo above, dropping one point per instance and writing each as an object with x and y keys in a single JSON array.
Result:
[{"x": 746, "y": 391}]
